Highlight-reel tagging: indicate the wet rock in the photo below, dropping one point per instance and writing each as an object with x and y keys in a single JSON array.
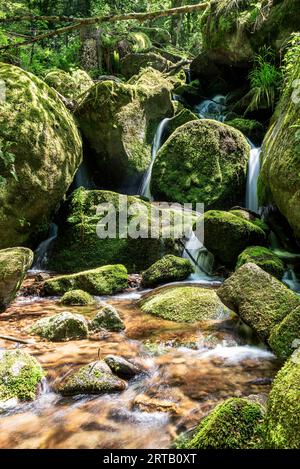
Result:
[
  {"x": 168, "y": 269},
  {"x": 150, "y": 404},
  {"x": 14, "y": 264},
  {"x": 77, "y": 298},
  {"x": 95, "y": 378},
  {"x": 107, "y": 318},
  {"x": 61, "y": 327},
  {"x": 121, "y": 367},
  {"x": 20, "y": 376}
]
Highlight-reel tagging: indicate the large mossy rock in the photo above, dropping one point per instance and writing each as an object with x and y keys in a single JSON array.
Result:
[
  {"x": 258, "y": 298},
  {"x": 40, "y": 151},
  {"x": 227, "y": 234},
  {"x": 105, "y": 280},
  {"x": 118, "y": 122},
  {"x": 279, "y": 182},
  {"x": 95, "y": 378},
  {"x": 20, "y": 375},
  {"x": 14, "y": 264},
  {"x": 132, "y": 64},
  {"x": 283, "y": 414},
  {"x": 203, "y": 161},
  {"x": 168, "y": 269},
  {"x": 107, "y": 318},
  {"x": 79, "y": 247},
  {"x": 69, "y": 84},
  {"x": 285, "y": 335},
  {"x": 233, "y": 424},
  {"x": 264, "y": 258},
  {"x": 184, "y": 304},
  {"x": 61, "y": 327}
]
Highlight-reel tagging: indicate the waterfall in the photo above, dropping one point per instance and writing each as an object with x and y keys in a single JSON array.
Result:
[
  {"x": 252, "y": 178},
  {"x": 43, "y": 248},
  {"x": 82, "y": 177},
  {"x": 214, "y": 108},
  {"x": 291, "y": 280},
  {"x": 145, "y": 189}
]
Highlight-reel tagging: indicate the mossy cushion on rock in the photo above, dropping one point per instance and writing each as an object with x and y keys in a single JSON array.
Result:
[
  {"x": 20, "y": 375},
  {"x": 253, "y": 129},
  {"x": 69, "y": 84},
  {"x": 227, "y": 234},
  {"x": 168, "y": 269},
  {"x": 284, "y": 336},
  {"x": 95, "y": 378},
  {"x": 102, "y": 281},
  {"x": 132, "y": 64},
  {"x": 79, "y": 247},
  {"x": 184, "y": 304},
  {"x": 14, "y": 264},
  {"x": 119, "y": 121},
  {"x": 233, "y": 424},
  {"x": 203, "y": 161},
  {"x": 283, "y": 414},
  {"x": 264, "y": 258},
  {"x": 184, "y": 116},
  {"x": 40, "y": 150},
  {"x": 77, "y": 298},
  {"x": 61, "y": 327},
  {"x": 258, "y": 298},
  {"x": 107, "y": 318}
]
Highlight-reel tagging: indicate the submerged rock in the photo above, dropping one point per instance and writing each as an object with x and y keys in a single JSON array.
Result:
[
  {"x": 61, "y": 327},
  {"x": 69, "y": 84},
  {"x": 95, "y": 378},
  {"x": 20, "y": 376},
  {"x": 258, "y": 298},
  {"x": 77, "y": 298},
  {"x": 107, "y": 318},
  {"x": 168, "y": 269},
  {"x": 14, "y": 264},
  {"x": 41, "y": 150},
  {"x": 184, "y": 304},
  {"x": 132, "y": 64},
  {"x": 204, "y": 161},
  {"x": 121, "y": 367},
  {"x": 105, "y": 280},
  {"x": 264, "y": 258}
]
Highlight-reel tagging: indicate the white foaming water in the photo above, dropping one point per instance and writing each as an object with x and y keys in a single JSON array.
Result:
[
  {"x": 291, "y": 280},
  {"x": 41, "y": 252},
  {"x": 145, "y": 189},
  {"x": 252, "y": 178},
  {"x": 238, "y": 353},
  {"x": 214, "y": 108}
]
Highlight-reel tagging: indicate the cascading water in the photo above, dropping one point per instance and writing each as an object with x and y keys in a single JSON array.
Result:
[
  {"x": 252, "y": 179},
  {"x": 214, "y": 108},
  {"x": 43, "y": 248},
  {"x": 82, "y": 177}
]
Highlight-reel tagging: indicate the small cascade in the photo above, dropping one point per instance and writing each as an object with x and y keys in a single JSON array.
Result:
[
  {"x": 214, "y": 108},
  {"x": 145, "y": 189},
  {"x": 252, "y": 179},
  {"x": 82, "y": 177},
  {"x": 42, "y": 250},
  {"x": 291, "y": 279}
]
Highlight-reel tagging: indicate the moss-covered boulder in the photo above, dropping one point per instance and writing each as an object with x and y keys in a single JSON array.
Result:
[
  {"x": 258, "y": 298},
  {"x": 40, "y": 151},
  {"x": 253, "y": 129},
  {"x": 107, "y": 318},
  {"x": 168, "y": 269},
  {"x": 105, "y": 280},
  {"x": 77, "y": 298},
  {"x": 264, "y": 258},
  {"x": 181, "y": 118},
  {"x": 203, "y": 161},
  {"x": 69, "y": 84},
  {"x": 283, "y": 414},
  {"x": 227, "y": 234},
  {"x": 132, "y": 64},
  {"x": 121, "y": 367},
  {"x": 184, "y": 304},
  {"x": 79, "y": 247},
  {"x": 20, "y": 375},
  {"x": 14, "y": 264},
  {"x": 234, "y": 424},
  {"x": 61, "y": 327},
  {"x": 95, "y": 378},
  {"x": 119, "y": 121},
  {"x": 285, "y": 335}
]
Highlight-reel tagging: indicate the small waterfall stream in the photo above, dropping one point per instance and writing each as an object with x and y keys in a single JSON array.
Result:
[
  {"x": 214, "y": 108},
  {"x": 82, "y": 177},
  {"x": 252, "y": 179},
  {"x": 43, "y": 248}
]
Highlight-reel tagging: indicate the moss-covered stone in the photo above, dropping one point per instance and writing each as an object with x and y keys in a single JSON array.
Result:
[
  {"x": 258, "y": 298},
  {"x": 107, "y": 318},
  {"x": 226, "y": 235},
  {"x": 203, "y": 161},
  {"x": 264, "y": 258},
  {"x": 168, "y": 269},
  {"x": 20, "y": 375},
  {"x": 132, "y": 64},
  {"x": 95, "y": 378},
  {"x": 14, "y": 264},
  {"x": 121, "y": 367},
  {"x": 284, "y": 336},
  {"x": 40, "y": 151},
  {"x": 181, "y": 118},
  {"x": 69, "y": 84},
  {"x": 283, "y": 414},
  {"x": 77, "y": 298},
  {"x": 253, "y": 129},
  {"x": 61, "y": 327},
  {"x": 184, "y": 304},
  {"x": 105, "y": 280},
  {"x": 234, "y": 424}
]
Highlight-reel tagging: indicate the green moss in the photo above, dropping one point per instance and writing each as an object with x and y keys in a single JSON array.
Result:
[
  {"x": 183, "y": 304},
  {"x": 184, "y": 116},
  {"x": 20, "y": 375},
  {"x": 132, "y": 64},
  {"x": 234, "y": 424},
  {"x": 107, "y": 318},
  {"x": 69, "y": 84},
  {"x": 285, "y": 335},
  {"x": 61, "y": 327},
  {"x": 264, "y": 258},
  {"x": 105, "y": 280},
  {"x": 253, "y": 129},
  {"x": 168, "y": 269},
  {"x": 77, "y": 298}
]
